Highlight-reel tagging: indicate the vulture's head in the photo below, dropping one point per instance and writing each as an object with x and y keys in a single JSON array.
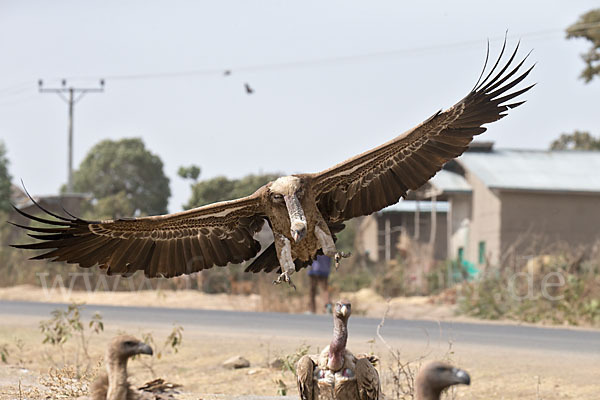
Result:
[
  {"x": 286, "y": 192},
  {"x": 124, "y": 346},
  {"x": 437, "y": 376},
  {"x": 342, "y": 310}
]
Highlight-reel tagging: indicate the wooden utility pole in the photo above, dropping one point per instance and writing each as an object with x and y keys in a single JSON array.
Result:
[{"x": 74, "y": 95}]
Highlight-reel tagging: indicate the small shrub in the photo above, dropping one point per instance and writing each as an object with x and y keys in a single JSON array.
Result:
[
  {"x": 172, "y": 343},
  {"x": 4, "y": 353},
  {"x": 559, "y": 288},
  {"x": 66, "y": 323}
]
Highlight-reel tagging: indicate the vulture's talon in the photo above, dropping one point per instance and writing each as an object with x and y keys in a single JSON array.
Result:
[
  {"x": 284, "y": 277},
  {"x": 338, "y": 257}
]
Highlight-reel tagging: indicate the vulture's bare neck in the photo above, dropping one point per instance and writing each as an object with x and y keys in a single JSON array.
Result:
[
  {"x": 337, "y": 348},
  {"x": 117, "y": 379},
  {"x": 425, "y": 392}
]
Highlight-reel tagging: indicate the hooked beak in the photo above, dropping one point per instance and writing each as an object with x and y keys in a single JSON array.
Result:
[
  {"x": 344, "y": 311},
  {"x": 143, "y": 348},
  {"x": 461, "y": 376},
  {"x": 297, "y": 218}
]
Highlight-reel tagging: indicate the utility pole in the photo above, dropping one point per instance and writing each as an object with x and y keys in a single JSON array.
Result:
[{"x": 73, "y": 96}]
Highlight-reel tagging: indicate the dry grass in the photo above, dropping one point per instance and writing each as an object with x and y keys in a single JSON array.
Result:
[{"x": 496, "y": 372}]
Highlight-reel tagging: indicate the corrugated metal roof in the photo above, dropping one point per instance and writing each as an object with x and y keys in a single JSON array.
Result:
[
  {"x": 573, "y": 171},
  {"x": 450, "y": 182},
  {"x": 411, "y": 206}
]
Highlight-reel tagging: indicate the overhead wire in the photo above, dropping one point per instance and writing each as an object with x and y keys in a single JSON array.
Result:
[
  {"x": 324, "y": 60},
  {"x": 307, "y": 63}
]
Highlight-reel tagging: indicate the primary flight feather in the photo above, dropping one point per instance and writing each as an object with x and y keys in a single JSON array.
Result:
[{"x": 304, "y": 211}]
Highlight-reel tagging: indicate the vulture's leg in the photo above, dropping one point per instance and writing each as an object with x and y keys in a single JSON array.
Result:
[
  {"x": 284, "y": 254},
  {"x": 328, "y": 246}
]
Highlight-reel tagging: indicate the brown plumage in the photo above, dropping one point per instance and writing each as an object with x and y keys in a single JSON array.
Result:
[
  {"x": 437, "y": 376},
  {"x": 304, "y": 211},
  {"x": 336, "y": 373},
  {"x": 113, "y": 385}
]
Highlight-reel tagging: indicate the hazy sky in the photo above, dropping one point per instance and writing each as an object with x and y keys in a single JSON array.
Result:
[{"x": 415, "y": 57}]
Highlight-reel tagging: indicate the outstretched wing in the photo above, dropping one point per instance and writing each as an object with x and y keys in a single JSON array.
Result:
[
  {"x": 378, "y": 178},
  {"x": 161, "y": 246}
]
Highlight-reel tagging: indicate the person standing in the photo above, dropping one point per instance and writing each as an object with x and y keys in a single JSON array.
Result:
[{"x": 318, "y": 273}]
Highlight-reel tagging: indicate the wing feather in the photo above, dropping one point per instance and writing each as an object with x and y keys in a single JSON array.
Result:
[
  {"x": 306, "y": 384},
  {"x": 168, "y": 245},
  {"x": 367, "y": 380},
  {"x": 381, "y": 176}
]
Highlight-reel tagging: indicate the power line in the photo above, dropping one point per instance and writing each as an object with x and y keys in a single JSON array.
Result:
[
  {"x": 325, "y": 60},
  {"x": 74, "y": 95},
  {"x": 308, "y": 63}
]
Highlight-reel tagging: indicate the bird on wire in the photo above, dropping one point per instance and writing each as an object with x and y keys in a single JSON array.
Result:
[{"x": 304, "y": 211}]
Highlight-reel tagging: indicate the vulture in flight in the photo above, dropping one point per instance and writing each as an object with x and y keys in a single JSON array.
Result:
[
  {"x": 435, "y": 377},
  {"x": 304, "y": 211},
  {"x": 337, "y": 374}
]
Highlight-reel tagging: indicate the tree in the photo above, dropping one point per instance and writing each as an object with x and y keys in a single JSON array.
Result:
[
  {"x": 588, "y": 27},
  {"x": 577, "y": 140},
  {"x": 192, "y": 172},
  {"x": 124, "y": 178},
  {"x": 4, "y": 180},
  {"x": 221, "y": 188}
]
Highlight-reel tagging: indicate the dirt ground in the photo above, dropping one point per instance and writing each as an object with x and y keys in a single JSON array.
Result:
[
  {"x": 364, "y": 302},
  {"x": 497, "y": 373},
  {"x": 501, "y": 374}
]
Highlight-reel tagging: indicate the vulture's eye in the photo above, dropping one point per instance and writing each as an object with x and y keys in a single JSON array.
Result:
[{"x": 129, "y": 343}]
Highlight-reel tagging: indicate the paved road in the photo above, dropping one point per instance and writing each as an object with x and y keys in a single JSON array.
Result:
[{"x": 567, "y": 340}]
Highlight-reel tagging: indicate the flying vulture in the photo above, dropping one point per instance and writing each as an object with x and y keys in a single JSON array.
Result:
[
  {"x": 337, "y": 374},
  {"x": 435, "y": 377},
  {"x": 304, "y": 211}
]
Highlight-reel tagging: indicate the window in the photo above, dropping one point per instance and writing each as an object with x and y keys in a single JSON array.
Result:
[
  {"x": 461, "y": 254},
  {"x": 482, "y": 252}
]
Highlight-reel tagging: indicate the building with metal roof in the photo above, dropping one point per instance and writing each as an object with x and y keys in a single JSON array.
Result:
[
  {"x": 520, "y": 203},
  {"x": 497, "y": 206}
]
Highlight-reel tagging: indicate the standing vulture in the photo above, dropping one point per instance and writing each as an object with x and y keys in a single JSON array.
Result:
[
  {"x": 304, "y": 210},
  {"x": 436, "y": 377},
  {"x": 337, "y": 374}
]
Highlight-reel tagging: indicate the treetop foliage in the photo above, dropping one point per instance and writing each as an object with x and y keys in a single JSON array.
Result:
[
  {"x": 5, "y": 179},
  {"x": 221, "y": 188},
  {"x": 124, "y": 178},
  {"x": 578, "y": 140},
  {"x": 588, "y": 27},
  {"x": 192, "y": 172}
]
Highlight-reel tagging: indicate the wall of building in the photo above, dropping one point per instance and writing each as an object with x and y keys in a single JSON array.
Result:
[
  {"x": 372, "y": 231},
  {"x": 367, "y": 236},
  {"x": 407, "y": 221},
  {"x": 531, "y": 221},
  {"x": 485, "y": 224},
  {"x": 459, "y": 223}
]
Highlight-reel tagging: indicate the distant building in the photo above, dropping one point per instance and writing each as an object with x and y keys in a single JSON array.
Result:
[
  {"x": 381, "y": 232},
  {"x": 504, "y": 204}
]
